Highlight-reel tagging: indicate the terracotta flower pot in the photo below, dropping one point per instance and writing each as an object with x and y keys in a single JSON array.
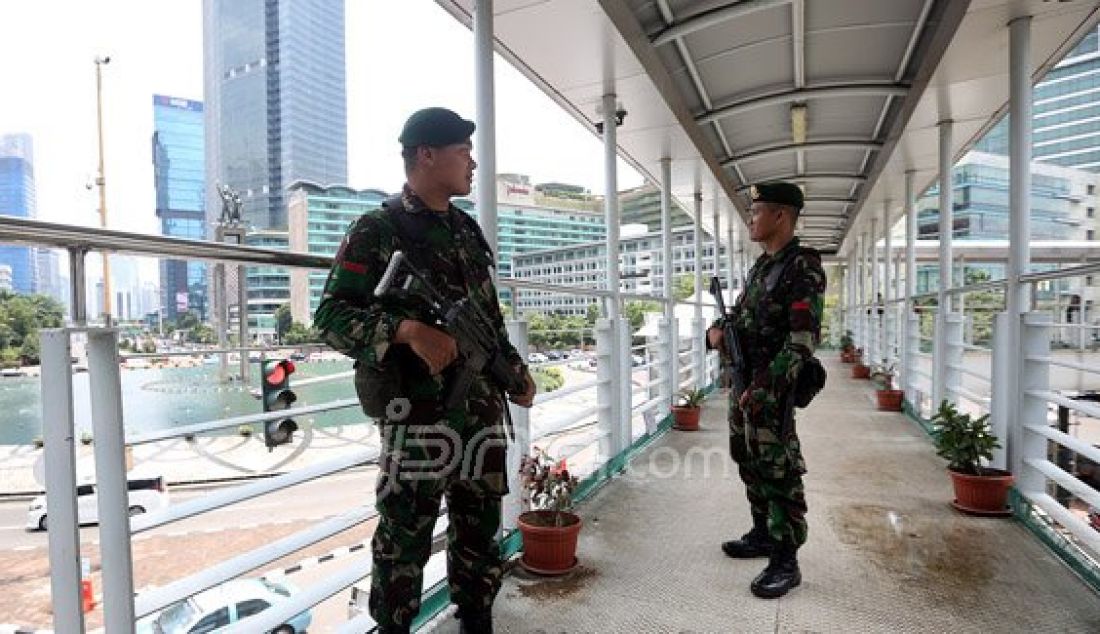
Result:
[
  {"x": 890, "y": 400},
  {"x": 982, "y": 495},
  {"x": 860, "y": 371},
  {"x": 686, "y": 418},
  {"x": 846, "y": 356},
  {"x": 549, "y": 549}
]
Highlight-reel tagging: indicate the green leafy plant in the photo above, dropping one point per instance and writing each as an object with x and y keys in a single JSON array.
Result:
[
  {"x": 691, "y": 398},
  {"x": 883, "y": 375},
  {"x": 547, "y": 485},
  {"x": 962, "y": 440},
  {"x": 847, "y": 343}
]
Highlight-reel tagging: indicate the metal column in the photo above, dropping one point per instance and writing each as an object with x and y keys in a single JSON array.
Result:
[
  {"x": 611, "y": 203},
  {"x": 111, "y": 486},
  {"x": 939, "y": 372},
  {"x": 731, "y": 241},
  {"x": 888, "y": 326},
  {"x": 672, "y": 368},
  {"x": 861, "y": 293},
  {"x": 909, "y": 360},
  {"x": 697, "y": 328},
  {"x": 1019, "y": 233},
  {"x": 57, "y": 430},
  {"x": 717, "y": 240},
  {"x": 876, "y": 354},
  {"x": 78, "y": 300},
  {"x": 521, "y": 429},
  {"x": 485, "y": 136}
]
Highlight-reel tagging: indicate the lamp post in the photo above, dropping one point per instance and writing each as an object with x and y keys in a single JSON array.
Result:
[{"x": 101, "y": 182}]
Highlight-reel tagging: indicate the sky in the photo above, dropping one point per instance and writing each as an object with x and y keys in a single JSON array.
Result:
[{"x": 155, "y": 46}]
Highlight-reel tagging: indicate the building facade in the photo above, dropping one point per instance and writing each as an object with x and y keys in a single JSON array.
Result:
[
  {"x": 319, "y": 217},
  {"x": 17, "y": 198},
  {"x": 276, "y": 104},
  {"x": 181, "y": 201},
  {"x": 585, "y": 265}
]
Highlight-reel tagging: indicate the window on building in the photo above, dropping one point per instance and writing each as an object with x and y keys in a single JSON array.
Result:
[
  {"x": 1090, "y": 212},
  {"x": 1090, "y": 234},
  {"x": 1090, "y": 189}
]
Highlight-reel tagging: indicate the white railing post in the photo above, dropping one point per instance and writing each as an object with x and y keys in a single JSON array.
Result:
[
  {"x": 673, "y": 365},
  {"x": 1004, "y": 362},
  {"x": 607, "y": 391},
  {"x": 666, "y": 359},
  {"x": 912, "y": 360},
  {"x": 953, "y": 350},
  {"x": 699, "y": 359},
  {"x": 111, "y": 488},
  {"x": 57, "y": 431},
  {"x": 625, "y": 429},
  {"x": 521, "y": 428},
  {"x": 1034, "y": 376}
]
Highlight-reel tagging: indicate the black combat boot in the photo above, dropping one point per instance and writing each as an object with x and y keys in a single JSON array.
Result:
[
  {"x": 475, "y": 621},
  {"x": 393, "y": 629},
  {"x": 780, "y": 576},
  {"x": 755, "y": 543}
]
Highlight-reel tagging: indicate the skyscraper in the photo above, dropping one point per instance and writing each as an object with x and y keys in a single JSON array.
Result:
[
  {"x": 17, "y": 199},
  {"x": 178, "y": 176},
  {"x": 276, "y": 106}
]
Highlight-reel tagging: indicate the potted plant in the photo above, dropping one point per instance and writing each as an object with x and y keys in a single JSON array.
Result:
[
  {"x": 549, "y": 527},
  {"x": 847, "y": 347},
  {"x": 889, "y": 398},
  {"x": 965, "y": 442},
  {"x": 859, "y": 370},
  {"x": 687, "y": 409}
]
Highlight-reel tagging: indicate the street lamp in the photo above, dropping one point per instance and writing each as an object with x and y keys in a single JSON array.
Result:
[{"x": 101, "y": 182}]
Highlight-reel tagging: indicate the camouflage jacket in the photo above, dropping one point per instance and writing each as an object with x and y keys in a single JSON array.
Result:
[
  {"x": 449, "y": 247},
  {"x": 779, "y": 330}
]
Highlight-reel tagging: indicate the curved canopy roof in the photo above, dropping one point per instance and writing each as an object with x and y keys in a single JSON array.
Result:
[{"x": 842, "y": 96}]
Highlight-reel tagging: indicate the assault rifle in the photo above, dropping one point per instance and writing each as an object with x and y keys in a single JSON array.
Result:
[
  {"x": 478, "y": 347},
  {"x": 729, "y": 339}
]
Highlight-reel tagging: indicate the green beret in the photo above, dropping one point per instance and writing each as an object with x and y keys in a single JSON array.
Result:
[
  {"x": 435, "y": 127},
  {"x": 777, "y": 192}
]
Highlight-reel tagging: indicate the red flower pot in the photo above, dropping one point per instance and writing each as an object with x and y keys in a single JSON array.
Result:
[
  {"x": 982, "y": 495},
  {"x": 890, "y": 400},
  {"x": 549, "y": 549},
  {"x": 860, "y": 371},
  {"x": 686, "y": 418},
  {"x": 846, "y": 356}
]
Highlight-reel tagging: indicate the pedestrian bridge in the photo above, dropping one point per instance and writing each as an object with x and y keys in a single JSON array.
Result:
[
  {"x": 886, "y": 551},
  {"x": 867, "y": 103}
]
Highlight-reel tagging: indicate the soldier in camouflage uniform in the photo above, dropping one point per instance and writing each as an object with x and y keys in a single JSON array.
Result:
[
  {"x": 778, "y": 322},
  {"x": 403, "y": 367}
]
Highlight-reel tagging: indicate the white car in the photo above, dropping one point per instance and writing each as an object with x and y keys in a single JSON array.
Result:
[
  {"x": 229, "y": 603},
  {"x": 146, "y": 494}
]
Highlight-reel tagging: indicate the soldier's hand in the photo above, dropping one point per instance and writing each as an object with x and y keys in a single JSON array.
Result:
[
  {"x": 435, "y": 347},
  {"x": 714, "y": 337},
  {"x": 528, "y": 397},
  {"x": 744, "y": 401}
]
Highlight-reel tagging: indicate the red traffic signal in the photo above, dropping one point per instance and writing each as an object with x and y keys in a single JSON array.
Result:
[{"x": 276, "y": 372}]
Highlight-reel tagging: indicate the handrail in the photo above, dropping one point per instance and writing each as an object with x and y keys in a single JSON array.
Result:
[{"x": 225, "y": 423}]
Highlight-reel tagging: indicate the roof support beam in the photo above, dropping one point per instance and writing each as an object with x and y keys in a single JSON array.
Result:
[
  {"x": 714, "y": 17},
  {"x": 772, "y": 150},
  {"x": 798, "y": 178},
  {"x": 863, "y": 89}
]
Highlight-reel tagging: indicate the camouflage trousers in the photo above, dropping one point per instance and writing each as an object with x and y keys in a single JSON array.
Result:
[
  {"x": 771, "y": 468},
  {"x": 408, "y": 506}
]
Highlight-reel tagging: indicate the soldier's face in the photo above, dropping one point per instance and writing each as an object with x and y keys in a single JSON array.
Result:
[
  {"x": 765, "y": 219},
  {"x": 452, "y": 167}
]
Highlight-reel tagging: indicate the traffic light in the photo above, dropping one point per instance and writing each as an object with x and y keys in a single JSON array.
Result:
[{"x": 277, "y": 396}]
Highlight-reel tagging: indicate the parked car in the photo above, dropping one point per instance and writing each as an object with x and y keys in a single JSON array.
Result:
[
  {"x": 537, "y": 357},
  {"x": 553, "y": 355},
  {"x": 146, "y": 494},
  {"x": 637, "y": 360},
  {"x": 227, "y": 604}
]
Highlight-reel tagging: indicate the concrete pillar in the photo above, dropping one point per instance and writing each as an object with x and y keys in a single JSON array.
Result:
[
  {"x": 485, "y": 143},
  {"x": 946, "y": 226}
]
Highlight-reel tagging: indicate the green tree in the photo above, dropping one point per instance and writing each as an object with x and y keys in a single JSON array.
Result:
[
  {"x": 30, "y": 352},
  {"x": 635, "y": 313},
  {"x": 297, "y": 333},
  {"x": 683, "y": 287},
  {"x": 283, "y": 320}
]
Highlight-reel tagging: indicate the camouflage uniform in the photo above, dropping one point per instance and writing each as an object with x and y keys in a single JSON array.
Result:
[
  {"x": 416, "y": 467},
  {"x": 778, "y": 331}
]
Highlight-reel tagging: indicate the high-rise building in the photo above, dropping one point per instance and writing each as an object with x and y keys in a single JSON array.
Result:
[
  {"x": 1066, "y": 112},
  {"x": 180, "y": 189},
  {"x": 49, "y": 273},
  {"x": 642, "y": 205},
  {"x": 319, "y": 218},
  {"x": 5, "y": 278},
  {"x": 275, "y": 96},
  {"x": 17, "y": 198}
]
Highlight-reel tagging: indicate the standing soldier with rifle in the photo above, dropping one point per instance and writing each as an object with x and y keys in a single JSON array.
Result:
[
  {"x": 768, "y": 340},
  {"x": 434, "y": 381}
]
